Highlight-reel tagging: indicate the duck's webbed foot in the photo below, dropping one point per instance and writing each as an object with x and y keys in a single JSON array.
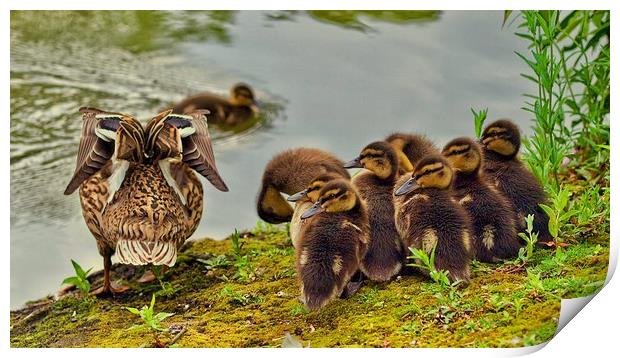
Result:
[
  {"x": 108, "y": 288},
  {"x": 111, "y": 289},
  {"x": 147, "y": 276}
]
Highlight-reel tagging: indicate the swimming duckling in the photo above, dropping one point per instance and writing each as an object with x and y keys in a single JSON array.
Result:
[
  {"x": 237, "y": 108},
  {"x": 427, "y": 216},
  {"x": 501, "y": 141},
  {"x": 410, "y": 148},
  {"x": 304, "y": 200},
  {"x": 492, "y": 217},
  {"x": 289, "y": 172},
  {"x": 140, "y": 196},
  {"x": 332, "y": 245},
  {"x": 385, "y": 253}
]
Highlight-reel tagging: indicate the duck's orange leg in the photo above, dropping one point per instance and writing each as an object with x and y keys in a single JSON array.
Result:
[{"x": 108, "y": 288}]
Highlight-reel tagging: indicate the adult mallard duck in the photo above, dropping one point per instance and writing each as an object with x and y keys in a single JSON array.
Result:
[{"x": 140, "y": 196}]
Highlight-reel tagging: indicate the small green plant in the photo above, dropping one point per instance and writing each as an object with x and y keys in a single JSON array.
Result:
[
  {"x": 498, "y": 302},
  {"x": 517, "y": 303},
  {"x": 298, "y": 309},
  {"x": 245, "y": 269},
  {"x": 236, "y": 243},
  {"x": 238, "y": 298},
  {"x": 592, "y": 208},
  {"x": 427, "y": 263},
  {"x": 215, "y": 262},
  {"x": 411, "y": 327},
  {"x": 479, "y": 118},
  {"x": 263, "y": 228},
  {"x": 530, "y": 237},
  {"x": 167, "y": 289},
  {"x": 80, "y": 279},
  {"x": 150, "y": 319},
  {"x": 558, "y": 212}
]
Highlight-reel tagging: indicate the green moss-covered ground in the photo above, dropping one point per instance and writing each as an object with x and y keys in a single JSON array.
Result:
[{"x": 250, "y": 299}]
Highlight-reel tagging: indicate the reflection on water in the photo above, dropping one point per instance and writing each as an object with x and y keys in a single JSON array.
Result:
[
  {"x": 359, "y": 19},
  {"x": 335, "y": 87}
]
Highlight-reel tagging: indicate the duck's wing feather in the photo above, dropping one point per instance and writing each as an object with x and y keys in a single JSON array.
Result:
[
  {"x": 171, "y": 135},
  {"x": 93, "y": 152}
]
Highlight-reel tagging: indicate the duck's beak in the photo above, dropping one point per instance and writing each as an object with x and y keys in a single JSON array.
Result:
[
  {"x": 298, "y": 196},
  {"x": 409, "y": 186},
  {"x": 355, "y": 163},
  {"x": 254, "y": 107},
  {"x": 314, "y": 209}
]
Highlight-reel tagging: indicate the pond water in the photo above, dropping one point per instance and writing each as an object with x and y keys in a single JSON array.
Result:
[{"x": 335, "y": 80}]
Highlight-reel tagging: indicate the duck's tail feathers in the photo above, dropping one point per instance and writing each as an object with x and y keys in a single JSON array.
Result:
[
  {"x": 135, "y": 252},
  {"x": 319, "y": 286}
]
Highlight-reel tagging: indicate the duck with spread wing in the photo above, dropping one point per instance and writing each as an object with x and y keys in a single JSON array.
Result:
[{"x": 140, "y": 195}]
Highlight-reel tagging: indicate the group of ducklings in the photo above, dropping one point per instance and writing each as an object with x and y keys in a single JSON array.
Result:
[{"x": 466, "y": 201}]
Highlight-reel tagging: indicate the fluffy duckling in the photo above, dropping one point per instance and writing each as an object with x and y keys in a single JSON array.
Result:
[
  {"x": 290, "y": 172},
  {"x": 501, "y": 141},
  {"x": 385, "y": 252},
  {"x": 492, "y": 217},
  {"x": 304, "y": 200},
  {"x": 410, "y": 148},
  {"x": 332, "y": 244},
  {"x": 237, "y": 108},
  {"x": 427, "y": 216}
]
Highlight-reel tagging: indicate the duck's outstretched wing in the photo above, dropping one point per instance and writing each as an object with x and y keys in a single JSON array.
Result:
[
  {"x": 166, "y": 129},
  {"x": 94, "y": 151}
]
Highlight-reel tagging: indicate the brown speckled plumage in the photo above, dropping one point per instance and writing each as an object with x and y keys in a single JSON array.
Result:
[{"x": 144, "y": 207}]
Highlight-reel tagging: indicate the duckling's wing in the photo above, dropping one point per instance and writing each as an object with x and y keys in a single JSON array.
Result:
[
  {"x": 198, "y": 152},
  {"x": 93, "y": 152}
]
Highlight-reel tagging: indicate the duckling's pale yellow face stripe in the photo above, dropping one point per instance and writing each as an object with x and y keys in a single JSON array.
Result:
[
  {"x": 496, "y": 130},
  {"x": 342, "y": 202},
  {"x": 456, "y": 149},
  {"x": 428, "y": 168},
  {"x": 371, "y": 151},
  {"x": 313, "y": 190}
]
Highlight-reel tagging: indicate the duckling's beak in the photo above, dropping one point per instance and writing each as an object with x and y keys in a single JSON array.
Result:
[
  {"x": 298, "y": 196},
  {"x": 355, "y": 163},
  {"x": 254, "y": 107},
  {"x": 314, "y": 209},
  {"x": 409, "y": 186}
]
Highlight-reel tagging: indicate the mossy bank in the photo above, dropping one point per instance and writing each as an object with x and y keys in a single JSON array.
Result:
[{"x": 247, "y": 296}]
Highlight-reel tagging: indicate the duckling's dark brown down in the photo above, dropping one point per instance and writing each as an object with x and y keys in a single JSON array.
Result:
[
  {"x": 289, "y": 172},
  {"x": 385, "y": 252},
  {"x": 517, "y": 183},
  {"x": 330, "y": 250}
]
